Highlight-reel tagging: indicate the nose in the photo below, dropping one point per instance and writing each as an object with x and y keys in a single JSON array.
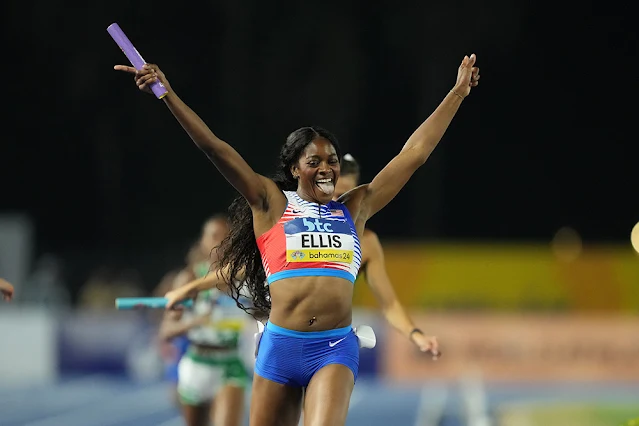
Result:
[{"x": 324, "y": 168}]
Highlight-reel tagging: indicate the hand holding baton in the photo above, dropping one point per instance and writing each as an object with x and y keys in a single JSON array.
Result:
[{"x": 134, "y": 56}]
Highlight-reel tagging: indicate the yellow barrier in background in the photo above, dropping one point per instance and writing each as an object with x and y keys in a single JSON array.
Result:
[{"x": 510, "y": 278}]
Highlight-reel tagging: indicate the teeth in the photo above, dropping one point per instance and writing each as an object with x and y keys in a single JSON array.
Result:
[{"x": 324, "y": 180}]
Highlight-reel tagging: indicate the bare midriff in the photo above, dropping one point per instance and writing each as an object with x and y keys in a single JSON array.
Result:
[{"x": 311, "y": 303}]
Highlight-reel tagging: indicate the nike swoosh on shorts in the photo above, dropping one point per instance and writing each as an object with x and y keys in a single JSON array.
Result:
[{"x": 331, "y": 344}]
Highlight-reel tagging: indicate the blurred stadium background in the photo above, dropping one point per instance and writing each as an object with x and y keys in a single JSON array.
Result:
[{"x": 514, "y": 246}]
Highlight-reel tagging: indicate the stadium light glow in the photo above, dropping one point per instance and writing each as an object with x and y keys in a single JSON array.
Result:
[{"x": 634, "y": 237}]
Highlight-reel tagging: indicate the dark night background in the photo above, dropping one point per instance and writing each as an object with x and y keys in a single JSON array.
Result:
[{"x": 547, "y": 140}]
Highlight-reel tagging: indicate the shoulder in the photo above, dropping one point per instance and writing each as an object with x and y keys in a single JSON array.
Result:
[
  {"x": 354, "y": 200},
  {"x": 266, "y": 214},
  {"x": 356, "y": 194}
]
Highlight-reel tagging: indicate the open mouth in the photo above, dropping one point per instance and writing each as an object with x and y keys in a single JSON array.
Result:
[{"x": 326, "y": 186}]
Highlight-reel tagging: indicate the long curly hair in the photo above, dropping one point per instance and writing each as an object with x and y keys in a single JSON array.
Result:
[{"x": 245, "y": 275}]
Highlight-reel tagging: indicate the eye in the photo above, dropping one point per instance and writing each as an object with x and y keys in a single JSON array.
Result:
[
  {"x": 313, "y": 163},
  {"x": 333, "y": 161}
]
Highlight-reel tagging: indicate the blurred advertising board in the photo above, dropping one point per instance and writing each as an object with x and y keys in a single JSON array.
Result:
[
  {"x": 28, "y": 347},
  {"x": 125, "y": 344},
  {"x": 93, "y": 342},
  {"x": 506, "y": 347}
]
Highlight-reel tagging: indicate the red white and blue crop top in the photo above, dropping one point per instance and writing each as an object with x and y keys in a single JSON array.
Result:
[{"x": 311, "y": 240}]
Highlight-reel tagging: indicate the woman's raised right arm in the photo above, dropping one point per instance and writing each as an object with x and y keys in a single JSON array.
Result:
[{"x": 254, "y": 187}]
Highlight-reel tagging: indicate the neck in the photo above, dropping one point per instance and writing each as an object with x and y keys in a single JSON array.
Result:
[{"x": 310, "y": 198}]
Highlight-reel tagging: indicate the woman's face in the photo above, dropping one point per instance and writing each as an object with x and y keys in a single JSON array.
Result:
[
  {"x": 317, "y": 171},
  {"x": 213, "y": 232}
]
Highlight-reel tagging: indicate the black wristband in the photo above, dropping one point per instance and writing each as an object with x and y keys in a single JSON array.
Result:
[{"x": 415, "y": 330}]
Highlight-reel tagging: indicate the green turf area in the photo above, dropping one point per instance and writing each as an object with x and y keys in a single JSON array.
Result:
[{"x": 569, "y": 415}]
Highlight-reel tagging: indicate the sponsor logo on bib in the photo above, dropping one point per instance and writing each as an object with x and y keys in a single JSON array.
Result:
[{"x": 318, "y": 240}]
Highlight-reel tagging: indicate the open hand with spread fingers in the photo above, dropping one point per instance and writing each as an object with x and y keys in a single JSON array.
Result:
[{"x": 467, "y": 76}]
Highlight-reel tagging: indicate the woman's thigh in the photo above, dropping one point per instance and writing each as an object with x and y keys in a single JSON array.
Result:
[
  {"x": 328, "y": 395},
  {"x": 274, "y": 404}
]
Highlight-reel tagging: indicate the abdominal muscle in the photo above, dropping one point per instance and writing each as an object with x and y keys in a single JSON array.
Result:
[{"x": 311, "y": 303}]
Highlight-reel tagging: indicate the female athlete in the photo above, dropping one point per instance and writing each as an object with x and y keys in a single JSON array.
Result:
[
  {"x": 211, "y": 375},
  {"x": 372, "y": 265},
  {"x": 289, "y": 232}
]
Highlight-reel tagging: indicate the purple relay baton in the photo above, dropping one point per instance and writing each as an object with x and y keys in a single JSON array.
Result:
[{"x": 134, "y": 56}]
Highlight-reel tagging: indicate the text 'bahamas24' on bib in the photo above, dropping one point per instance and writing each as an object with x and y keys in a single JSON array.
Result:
[{"x": 311, "y": 240}]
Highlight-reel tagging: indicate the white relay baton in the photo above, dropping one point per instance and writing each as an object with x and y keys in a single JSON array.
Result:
[
  {"x": 366, "y": 336},
  {"x": 258, "y": 336}
]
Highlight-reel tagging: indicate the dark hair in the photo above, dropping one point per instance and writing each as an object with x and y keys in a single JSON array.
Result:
[
  {"x": 239, "y": 248},
  {"x": 349, "y": 166}
]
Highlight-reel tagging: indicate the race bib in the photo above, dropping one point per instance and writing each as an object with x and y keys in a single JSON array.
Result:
[{"x": 318, "y": 240}]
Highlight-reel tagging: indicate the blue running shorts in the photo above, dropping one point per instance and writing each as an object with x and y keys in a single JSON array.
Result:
[{"x": 292, "y": 357}]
